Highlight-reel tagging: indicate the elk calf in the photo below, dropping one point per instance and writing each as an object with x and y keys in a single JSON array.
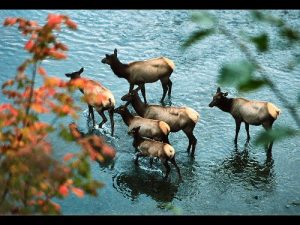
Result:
[
  {"x": 141, "y": 72},
  {"x": 151, "y": 148},
  {"x": 247, "y": 111},
  {"x": 178, "y": 118},
  {"x": 96, "y": 95},
  {"x": 154, "y": 129}
]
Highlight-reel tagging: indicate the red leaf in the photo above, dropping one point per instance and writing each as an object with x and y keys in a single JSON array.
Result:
[
  {"x": 68, "y": 156},
  {"x": 29, "y": 45},
  {"x": 78, "y": 192},
  {"x": 8, "y": 83},
  {"x": 63, "y": 190},
  {"x": 54, "y": 20},
  {"x": 42, "y": 71},
  {"x": 71, "y": 24},
  {"x": 57, "y": 54},
  {"x": 108, "y": 151},
  {"x": 9, "y": 21}
]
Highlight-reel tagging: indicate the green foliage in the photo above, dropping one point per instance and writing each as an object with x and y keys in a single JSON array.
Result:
[
  {"x": 290, "y": 33},
  {"x": 267, "y": 18},
  {"x": 204, "y": 18},
  {"x": 197, "y": 36},
  {"x": 261, "y": 42},
  {"x": 240, "y": 76},
  {"x": 275, "y": 134},
  {"x": 66, "y": 135}
]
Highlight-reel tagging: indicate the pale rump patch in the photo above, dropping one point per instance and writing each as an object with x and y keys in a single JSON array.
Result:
[
  {"x": 97, "y": 95},
  {"x": 164, "y": 127},
  {"x": 170, "y": 63},
  {"x": 192, "y": 114},
  {"x": 169, "y": 151},
  {"x": 273, "y": 110}
]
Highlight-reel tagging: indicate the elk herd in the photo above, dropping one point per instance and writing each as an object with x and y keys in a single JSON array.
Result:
[{"x": 152, "y": 125}]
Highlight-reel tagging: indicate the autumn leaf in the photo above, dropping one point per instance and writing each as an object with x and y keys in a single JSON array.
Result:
[
  {"x": 54, "y": 20},
  {"x": 108, "y": 151},
  {"x": 68, "y": 156},
  {"x": 8, "y": 83},
  {"x": 42, "y": 71},
  {"x": 78, "y": 192},
  {"x": 71, "y": 24},
  {"x": 29, "y": 45},
  {"x": 63, "y": 190},
  {"x": 9, "y": 21},
  {"x": 39, "y": 108},
  {"x": 57, "y": 54}
]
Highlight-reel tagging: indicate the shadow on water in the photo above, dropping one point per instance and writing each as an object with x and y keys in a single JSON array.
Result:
[
  {"x": 241, "y": 167},
  {"x": 136, "y": 181}
]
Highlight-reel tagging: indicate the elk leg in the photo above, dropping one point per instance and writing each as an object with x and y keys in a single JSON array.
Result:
[
  {"x": 167, "y": 166},
  {"x": 194, "y": 142},
  {"x": 131, "y": 86},
  {"x": 112, "y": 122},
  {"x": 143, "y": 90},
  {"x": 91, "y": 112},
  {"x": 173, "y": 161},
  {"x": 268, "y": 126},
  {"x": 136, "y": 161},
  {"x": 165, "y": 89},
  {"x": 104, "y": 119},
  {"x": 170, "y": 87},
  {"x": 247, "y": 130},
  {"x": 237, "y": 130},
  {"x": 151, "y": 162}
]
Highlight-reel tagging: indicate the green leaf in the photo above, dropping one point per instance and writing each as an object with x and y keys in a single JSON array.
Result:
[
  {"x": 275, "y": 134},
  {"x": 204, "y": 19},
  {"x": 66, "y": 135},
  {"x": 197, "y": 36},
  {"x": 267, "y": 18},
  {"x": 252, "y": 84},
  {"x": 261, "y": 42},
  {"x": 84, "y": 168},
  {"x": 235, "y": 74},
  {"x": 290, "y": 34}
]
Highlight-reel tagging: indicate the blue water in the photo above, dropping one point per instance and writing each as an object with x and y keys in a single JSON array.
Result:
[{"x": 219, "y": 180}]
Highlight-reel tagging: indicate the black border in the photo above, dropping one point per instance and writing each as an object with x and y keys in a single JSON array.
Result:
[{"x": 150, "y": 4}]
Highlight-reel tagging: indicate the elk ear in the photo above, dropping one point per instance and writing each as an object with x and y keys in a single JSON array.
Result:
[
  {"x": 225, "y": 94},
  {"x": 81, "y": 70},
  {"x": 218, "y": 90},
  {"x": 115, "y": 52}
]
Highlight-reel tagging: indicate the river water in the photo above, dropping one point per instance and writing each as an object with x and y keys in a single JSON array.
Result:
[{"x": 220, "y": 180}]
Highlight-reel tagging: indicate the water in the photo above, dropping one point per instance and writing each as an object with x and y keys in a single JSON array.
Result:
[{"x": 220, "y": 180}]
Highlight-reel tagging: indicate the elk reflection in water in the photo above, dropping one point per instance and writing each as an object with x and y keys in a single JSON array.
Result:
[
  {"x": 243, "y": 168},
  {"x": 136, "y": 181}
]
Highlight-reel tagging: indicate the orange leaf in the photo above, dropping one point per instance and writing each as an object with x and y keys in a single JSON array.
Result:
[
  {"x": 42, "y": 71},
  {"x": 63, "y": 190},
  {"x": 57, "y": 54},
  {"x": 54, "y": 20},
  {"x": 8, "y": 83},
  {"x": 39, "y": 108},
  {"x": 78, "y": 192},
  {"x": 9, "y": 21},
  {"x": 29, "y": 45},
  {"x": 68, "y": 156},
  {"x": 71, "y": 24},
  {"x": 108, "y": 151}
]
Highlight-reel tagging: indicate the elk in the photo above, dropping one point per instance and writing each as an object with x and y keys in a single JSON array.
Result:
[
  {"x": 154, "y": 129},
  {"x": 247, "y": 111},
  {"x": 141, "y": 72},
  {"x": 178, "y": 118},
  {"x": 151, "y": 148},
  {"x": 96, "y": 96}
]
